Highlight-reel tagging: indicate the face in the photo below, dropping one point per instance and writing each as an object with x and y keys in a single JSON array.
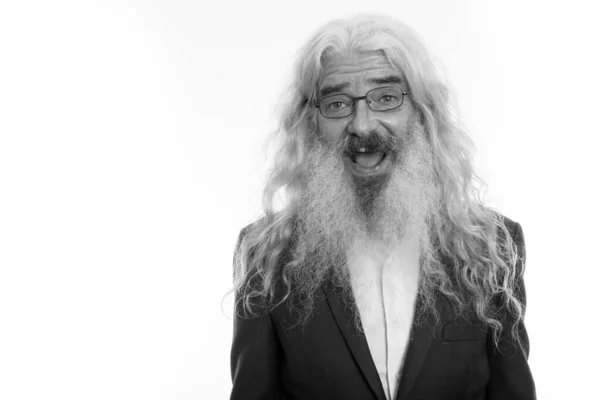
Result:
[{"x": 355, "y": 74}]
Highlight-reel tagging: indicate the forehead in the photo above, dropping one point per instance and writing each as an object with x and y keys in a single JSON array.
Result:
[{"x": 355, "y": 68}]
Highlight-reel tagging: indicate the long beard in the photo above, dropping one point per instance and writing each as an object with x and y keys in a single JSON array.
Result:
[{"x": 336, "y": 209}]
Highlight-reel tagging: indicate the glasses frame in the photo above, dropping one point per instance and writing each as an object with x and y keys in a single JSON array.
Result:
[{"x": 355, "y": 99}]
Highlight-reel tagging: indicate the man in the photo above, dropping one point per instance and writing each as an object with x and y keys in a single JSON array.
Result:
[{"x": 382, "y": 275}]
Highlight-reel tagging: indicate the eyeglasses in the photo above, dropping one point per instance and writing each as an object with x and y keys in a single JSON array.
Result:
[{"x": 380, "y": 99}]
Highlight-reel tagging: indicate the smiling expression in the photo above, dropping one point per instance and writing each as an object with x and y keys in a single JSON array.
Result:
[{"x": 355, "y": 74}]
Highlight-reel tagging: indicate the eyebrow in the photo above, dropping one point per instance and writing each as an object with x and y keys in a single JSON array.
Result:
[
  {"x": 327, "y": 90},
  {"x": 386, "y": 79}
]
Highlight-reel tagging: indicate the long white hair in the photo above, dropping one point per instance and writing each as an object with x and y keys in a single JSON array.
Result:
[{"x": 486, "y": 262}]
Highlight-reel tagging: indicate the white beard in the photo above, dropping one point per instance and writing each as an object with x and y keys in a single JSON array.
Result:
[{"x": 335, "y": 212}]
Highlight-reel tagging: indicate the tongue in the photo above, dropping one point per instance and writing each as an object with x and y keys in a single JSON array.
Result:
[{"x": 368, "y": 160}]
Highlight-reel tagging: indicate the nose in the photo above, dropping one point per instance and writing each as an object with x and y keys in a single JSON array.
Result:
[{"x": 363, "y": 121}]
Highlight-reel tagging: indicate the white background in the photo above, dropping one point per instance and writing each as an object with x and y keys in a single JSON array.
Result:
[{"x": 125, "y": 176}]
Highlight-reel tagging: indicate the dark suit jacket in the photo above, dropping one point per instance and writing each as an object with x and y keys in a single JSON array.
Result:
[{"x": 328, "y": 359}]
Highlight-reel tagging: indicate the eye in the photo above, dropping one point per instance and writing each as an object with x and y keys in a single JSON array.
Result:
[
  {"x": 336, "y": 105},
  {"x": 388, "y": 99}
]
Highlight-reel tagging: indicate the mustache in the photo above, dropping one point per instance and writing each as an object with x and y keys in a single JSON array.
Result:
[{"x": 374, "y": 142}]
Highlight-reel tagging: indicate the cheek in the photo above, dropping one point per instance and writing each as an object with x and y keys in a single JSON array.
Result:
[
  {"x": 331, "y": 130},
  {"x": 398, "y": 126}
]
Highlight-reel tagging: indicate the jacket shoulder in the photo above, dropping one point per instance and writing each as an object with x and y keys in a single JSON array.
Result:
[
  {"x": 514, "y": 230},
  {"x": 510, "y": 224},
  {"x": 246, "y": 230}
]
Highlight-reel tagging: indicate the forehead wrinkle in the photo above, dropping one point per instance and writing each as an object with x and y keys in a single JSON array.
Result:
[{"x": 352, "y": 70}]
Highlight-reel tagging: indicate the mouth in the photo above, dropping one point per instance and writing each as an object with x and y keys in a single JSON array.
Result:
[
  {"x": 367, "y": 159},
  {"x": 367, "y": 163}
]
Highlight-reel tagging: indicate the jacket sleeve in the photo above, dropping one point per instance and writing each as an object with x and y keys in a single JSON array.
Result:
[
  {"x": 510, "y": 376},
  {"x": 255, "y": 357}
]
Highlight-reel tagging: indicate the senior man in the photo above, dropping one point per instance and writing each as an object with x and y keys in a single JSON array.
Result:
[{"x": 380, "y": 274}]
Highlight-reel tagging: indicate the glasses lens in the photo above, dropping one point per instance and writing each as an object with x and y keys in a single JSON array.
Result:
[
  {"x": 385, "y": 98},
  {"x": 337, "y": 106}
]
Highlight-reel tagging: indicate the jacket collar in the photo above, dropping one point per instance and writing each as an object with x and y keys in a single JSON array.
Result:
[{"x": 418, "y": 347}]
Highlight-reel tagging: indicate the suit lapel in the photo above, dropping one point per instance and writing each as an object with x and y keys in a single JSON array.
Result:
[
  {"x": 417, "y": 349},
  {"x": 356, "y": 342}
]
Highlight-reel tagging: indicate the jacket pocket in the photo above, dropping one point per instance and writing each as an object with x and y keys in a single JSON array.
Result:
[{"x": 464, "y": 333}]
